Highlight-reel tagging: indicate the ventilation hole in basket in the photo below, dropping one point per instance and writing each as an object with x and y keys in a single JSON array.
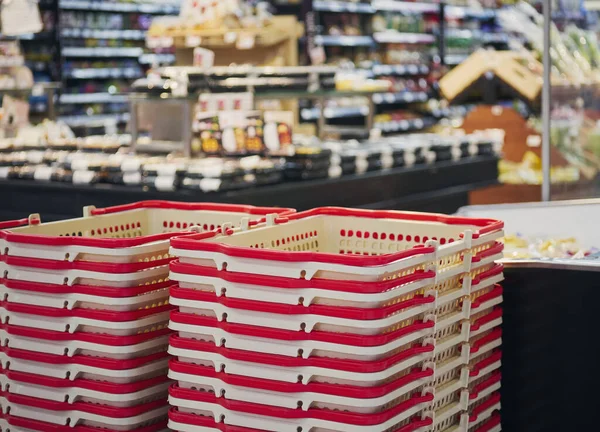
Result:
[
  {"x": 376, "y": 236},
  {"x": 408, "y": 238},
  {"x": 300, "y": 404},
  {"x": 350, "y": 233},
  {"x": 300, "y": 378},
  {"x": 65, "y": 281},
  {"x": 300, "y": 352},
  {"x": 400, "y": 237},
  {"x": 222, "y": 392},
  {"x": 66, "y": 351},
  {"x": 222, "y": 342},
  {"x": 392, "y": 237},
  {"x": 5, "y": 276},
  {"x": 303, "y": 274},
  {"x": 67, "y": 327},
  {"x": 425, "y": 239},
  {"x": 417, "y": 239},
  {"x": 342, "y": 233},
  {"x": 224, "y": 317},
  {"x": 301, "y": 300},
  {"x": 299, "y": 429},
  {"x": 303, "y": 326}
]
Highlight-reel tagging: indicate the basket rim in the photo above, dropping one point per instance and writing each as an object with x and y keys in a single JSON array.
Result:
[
  {"x": 194, "y": 241},
  {"x": 113, "y": 243}
]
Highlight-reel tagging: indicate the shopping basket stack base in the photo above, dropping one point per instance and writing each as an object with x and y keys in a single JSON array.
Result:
[
  {"x": 84, "y": 312},
  {"x": 332, "y": 319}
]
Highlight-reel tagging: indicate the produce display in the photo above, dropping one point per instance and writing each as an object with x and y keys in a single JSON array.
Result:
[{"x": 518, "y": 246}]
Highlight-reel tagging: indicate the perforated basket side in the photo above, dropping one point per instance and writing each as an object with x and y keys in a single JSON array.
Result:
[{"x": 283, "y": 419}]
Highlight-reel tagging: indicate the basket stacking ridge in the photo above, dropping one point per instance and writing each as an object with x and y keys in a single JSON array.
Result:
[
  {"x": 84, "y": 312},
  {"x": 331, "y": 320}
]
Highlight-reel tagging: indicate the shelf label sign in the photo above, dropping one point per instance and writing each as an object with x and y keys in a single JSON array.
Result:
[{"x": 193, "y": 41}]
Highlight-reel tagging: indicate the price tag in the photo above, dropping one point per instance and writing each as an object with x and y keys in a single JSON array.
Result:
[
  {"x": 375, "y": 134},
  {"x": 404, "y": 125},
  {"x": 245, "y": 41},
  {"x": 79, "y": 165},
  {"x": 230, "y": 37},
  {"x": 37, "y": 90},
  {"x": 193, "y": 41},
  {"x": 164, "y": 183},
  {"x": 130, "y": 165},
  {"x": 43, "y": 173},
  {"x": 210, "y": 184},
  {"x": 166, "y": 170},
  {"x": 83, "y": 177},
  {"x": 153, "y": 42},
  {"x": 166, "y": 42},
  {"x": 132, "y": 178},
  {"x": 4, "y": 171},
  {"x": 419, "y": 123}
]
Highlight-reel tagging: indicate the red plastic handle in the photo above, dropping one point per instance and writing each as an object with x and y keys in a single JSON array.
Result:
[
  {"x": 288, "y": 335},
  {"x": 175, "y": 205},
  {"x": 14, "y": 223},
  {"x": 314, "y": 413},
  {"x": 357, "y": 366},
  {"x": 350, "y": 391}
]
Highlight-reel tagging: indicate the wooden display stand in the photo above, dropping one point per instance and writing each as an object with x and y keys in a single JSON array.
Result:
[
  {"x": 518, "y": 140},
  {"x": 273, "y": 45},
  {"x": 519, "y": 73}
]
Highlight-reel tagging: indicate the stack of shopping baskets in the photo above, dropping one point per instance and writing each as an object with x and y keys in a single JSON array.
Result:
[
  {"x": 84, "y": 314},
  {"x": 338, "y": 320}
]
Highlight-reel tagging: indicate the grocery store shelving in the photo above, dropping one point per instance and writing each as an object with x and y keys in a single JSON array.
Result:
[
  {"x": 441, "y": 187},
  {"x": 343, "y": 40},
  {"x": 91, "y": 68},
  {"x": 403, "y": 38},
  {"x": 103, "y": 34},
  {"x": 400, "y": 70},
  {"x": 334, "y": 112},
  {"x": 110, "y": 6},
  {"x": 342, "y": 6},
  {"x": 400, "y": 97},
  {"x": 91, "y": 121},
  {"x": 102, "y": 52},
  {"x": 408, "y": 125},
  {"x": 92, "y": 98},
  {"x": 102, "y": 73}
]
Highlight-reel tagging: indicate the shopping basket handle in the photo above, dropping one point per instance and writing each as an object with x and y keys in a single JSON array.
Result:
[{"x": 33, "y": 219}]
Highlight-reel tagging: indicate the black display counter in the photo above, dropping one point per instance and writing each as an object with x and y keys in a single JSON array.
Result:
[{"x": 441, "y": 187}]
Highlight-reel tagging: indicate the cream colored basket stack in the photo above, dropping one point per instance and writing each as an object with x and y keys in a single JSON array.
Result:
[
  {"x": 84, "y": 314},
  {"x": 337, "y": 320}
]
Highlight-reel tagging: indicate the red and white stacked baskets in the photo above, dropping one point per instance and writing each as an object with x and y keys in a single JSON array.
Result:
[
  {"x": 84, "y": 313},
  {"x": 333, "y": 320}
]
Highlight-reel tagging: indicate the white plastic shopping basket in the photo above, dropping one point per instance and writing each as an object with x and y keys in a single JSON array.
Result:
[
  {"x": 70, "y": 344},
  {"x": 118, "y": 371},
  {"x": 357, "y": 399},
  {"x": 346, "y": 244},
  {"x": 29, "y": 424},
  {"x": 482, "y": 411},
  {"x": 85, "y": 296},
  {"x": 82, "y": 390},
  {"x": 86, "y": 320},
  {"x": 187, "y": 422},
  {"x": 130, "y": 233},
  {"x": 84, "y": 413},
  {"x": 268, "y": 418}
]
